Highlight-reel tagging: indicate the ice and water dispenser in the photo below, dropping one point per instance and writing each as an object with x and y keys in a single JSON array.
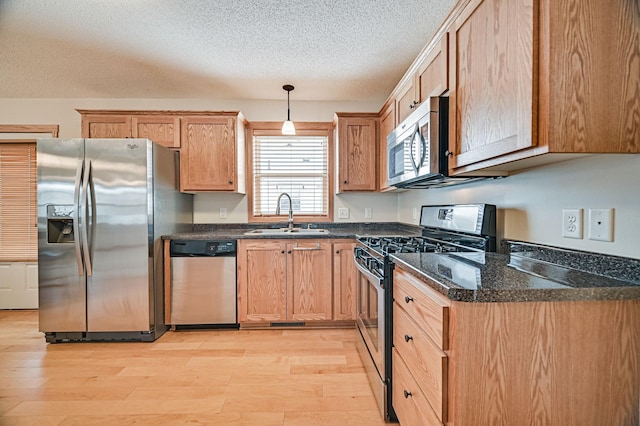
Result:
[{"x": 60, "y": 224}]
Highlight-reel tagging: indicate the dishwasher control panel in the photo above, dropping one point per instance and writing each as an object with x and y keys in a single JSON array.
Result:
[{"x": 193, "y": 248}]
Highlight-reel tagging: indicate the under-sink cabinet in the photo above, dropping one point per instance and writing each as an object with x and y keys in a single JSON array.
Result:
[
  {"x": 287, "y": 282},
  {"x": 507, "y": 363}
]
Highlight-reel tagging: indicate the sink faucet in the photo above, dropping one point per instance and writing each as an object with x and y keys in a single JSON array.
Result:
[{"x": 290, "y": 209}]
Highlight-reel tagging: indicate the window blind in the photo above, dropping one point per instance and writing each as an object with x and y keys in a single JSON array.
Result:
[
  {"x": 297, "y": 165},
  {"x": 18, "y": 203}
]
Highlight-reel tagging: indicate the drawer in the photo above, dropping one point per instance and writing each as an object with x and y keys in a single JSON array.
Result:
[
  {"x": 409, "y": 402},
  {"x": 427, "y": 363},
  {"x": 428, "y": 308}
]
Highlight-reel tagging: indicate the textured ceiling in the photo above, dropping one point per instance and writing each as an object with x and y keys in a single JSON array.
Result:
[{"x": 330, "y": 50}]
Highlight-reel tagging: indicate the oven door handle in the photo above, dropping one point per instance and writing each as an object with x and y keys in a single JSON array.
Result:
[{"x": 371, "y": 277}]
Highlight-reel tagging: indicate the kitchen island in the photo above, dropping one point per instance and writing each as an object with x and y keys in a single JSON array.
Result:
[{"x": 535, "y": 336}]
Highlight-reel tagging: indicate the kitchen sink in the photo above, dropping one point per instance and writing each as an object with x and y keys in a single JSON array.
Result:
[{"x": 286, "y": 231}]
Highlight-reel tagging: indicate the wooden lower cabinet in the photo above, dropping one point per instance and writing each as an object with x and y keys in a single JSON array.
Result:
[
  {"x": 344, "y": 281},
  {"x": 409, "y": 401},
  {"x": 548, "y": 363},
  {"x": 284, "y": 281},
  {"x": 420, "y": 365}
]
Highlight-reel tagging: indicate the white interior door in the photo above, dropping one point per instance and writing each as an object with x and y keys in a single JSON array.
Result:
[{"x": 18, "y": 285}]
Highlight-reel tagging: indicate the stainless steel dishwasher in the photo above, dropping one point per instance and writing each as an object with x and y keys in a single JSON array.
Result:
[{"x": 203, "y": 283}]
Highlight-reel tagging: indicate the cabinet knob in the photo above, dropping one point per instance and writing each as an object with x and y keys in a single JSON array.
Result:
[
  {"x": 282, "y": 252},
  {"x": 408, "y": 299},
  {"x": 407, "y": 338},
  {"x": 407, "y": 394},
  {"x": 289, "y": 252},
  {"x": 345, "y": 182},
  {"x": 337, "y": 251},
  {"x": 448, "y": 153},
  {"x": 230, "y": 182}
]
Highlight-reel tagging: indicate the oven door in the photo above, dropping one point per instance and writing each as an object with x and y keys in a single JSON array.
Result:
[{"x": 371, "y": 315}]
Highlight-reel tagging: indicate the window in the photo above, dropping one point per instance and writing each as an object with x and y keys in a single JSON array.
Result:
[
  {"x": 18, "y": 190},
  {"x": 298, "y": 165},
  {"x": 18, "y": 203}
]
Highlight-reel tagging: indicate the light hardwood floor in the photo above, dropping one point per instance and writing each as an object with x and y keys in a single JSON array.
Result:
[{"x": 221, "y": 377}]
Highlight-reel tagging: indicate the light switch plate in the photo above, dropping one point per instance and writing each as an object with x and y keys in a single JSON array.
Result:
[
  {"x": 343, "y": 213},
  {"x": 223, "y": 213}
]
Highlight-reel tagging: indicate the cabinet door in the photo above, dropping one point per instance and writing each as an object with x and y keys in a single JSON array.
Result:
[
  {"x": 432, "y": 77},
  {"x": 164, "y": 131},
  {"x": 491, "y": 80},
  {"x": 106, "y": 126},
  {"x": 357, "y": 153},
  {"x": 387, "y": 124},
  {"x": 262, "y": 276},
  {"x": 406, "y": 100},
  {"x": 344, "y": 281},
  {"x": 208, "y": 154},
  {"x": 309, "y": 280}
]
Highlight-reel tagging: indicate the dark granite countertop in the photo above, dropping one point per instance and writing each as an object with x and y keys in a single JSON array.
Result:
[
  {"x": 528, "y": 272},
  {"x": 334, "y": 230}
]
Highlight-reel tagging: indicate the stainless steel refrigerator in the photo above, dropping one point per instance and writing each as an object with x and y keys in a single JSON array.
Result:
[{"x": 103, "y": 205}]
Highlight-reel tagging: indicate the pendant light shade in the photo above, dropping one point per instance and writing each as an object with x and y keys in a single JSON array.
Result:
[{"x": 287, "y": 127}]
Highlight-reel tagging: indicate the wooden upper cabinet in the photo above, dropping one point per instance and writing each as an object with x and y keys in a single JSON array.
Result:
[
  {"x": 406, "y": 99},
  {"x": 211, "y": 154},
  {"x": 432, "y": 77},
  {"x": 590, "y": 76},
  {"x": 163, "y": 130},
  {"x": 106, "y": 126},
  {"x": 357, "y": 145},
  {"x": 532, "y": 82},
  {"x": 387, "y": 125},
  {"x": 211, "y": 143},
  {"x": 492, "y": 80}
]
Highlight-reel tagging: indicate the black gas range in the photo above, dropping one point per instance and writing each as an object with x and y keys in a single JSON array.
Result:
[{"x": 444, "y": 228}]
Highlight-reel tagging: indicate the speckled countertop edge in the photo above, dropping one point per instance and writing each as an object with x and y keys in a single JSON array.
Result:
[
  {"x": 335, "y": 230},
  {"x": 502, "y": 278}
]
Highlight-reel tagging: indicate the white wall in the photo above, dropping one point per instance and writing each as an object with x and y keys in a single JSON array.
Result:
[
  {"x": 207, "y": 205},
  {"x": 530, "y": 202}
]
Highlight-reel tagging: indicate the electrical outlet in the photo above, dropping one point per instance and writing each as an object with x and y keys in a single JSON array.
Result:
[
  {"x": 572, "y": 223},
  {"x": 368, "y": 213},
  {"x": 601, "y": 224},
  {"x": 343, "y": 213},
  {"x": 415, "y": 213},
  {"x": 223, "y": 213}
]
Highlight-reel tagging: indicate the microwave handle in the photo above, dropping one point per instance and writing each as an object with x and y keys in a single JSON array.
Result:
[{"x": 423, "y": 150}]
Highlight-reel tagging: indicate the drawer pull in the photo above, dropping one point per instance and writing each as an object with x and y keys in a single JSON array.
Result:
[
  {"x": 407, "y": 394},
  {"x": 407, "y": 338},
  {"x": 408, "y": 299}
]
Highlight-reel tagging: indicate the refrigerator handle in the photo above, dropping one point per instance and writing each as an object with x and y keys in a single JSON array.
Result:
[
  {"x": 76, "y": 215},
  {"x": 85, "y": 207}
]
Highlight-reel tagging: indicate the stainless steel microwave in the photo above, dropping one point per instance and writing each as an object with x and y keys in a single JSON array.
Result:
[{"x": 416, "y": 149}]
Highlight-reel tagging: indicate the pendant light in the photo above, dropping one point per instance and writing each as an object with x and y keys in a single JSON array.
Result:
[{"x": 287, "y": 127}]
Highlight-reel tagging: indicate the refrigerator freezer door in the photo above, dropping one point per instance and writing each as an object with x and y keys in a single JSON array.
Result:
[
  {"x": 118, "y": 213},
  {"x": 61, "y": 278}
]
